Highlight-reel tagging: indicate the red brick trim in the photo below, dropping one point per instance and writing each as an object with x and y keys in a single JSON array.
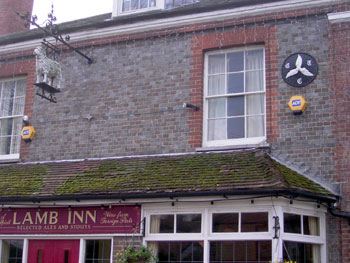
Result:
[{"x": 204, "y": 42}]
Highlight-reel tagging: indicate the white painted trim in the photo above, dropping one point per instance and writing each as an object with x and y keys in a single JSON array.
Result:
[
  {"x": 9, "y": 158},
  {"x": 177, "y": 21},
  {"x": 339, "y": 17}
]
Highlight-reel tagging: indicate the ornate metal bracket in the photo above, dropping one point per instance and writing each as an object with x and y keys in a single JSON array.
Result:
[
  {"x": 52, "y": 30},
  {"x": 276, "y": 227},
  {"x": 47, "y": 92}
]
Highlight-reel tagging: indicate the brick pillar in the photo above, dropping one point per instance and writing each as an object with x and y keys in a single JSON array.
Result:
[{"x": 9, "y": 21}]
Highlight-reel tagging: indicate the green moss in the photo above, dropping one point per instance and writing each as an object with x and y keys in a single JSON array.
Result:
[{"x": 21, "y": 180}]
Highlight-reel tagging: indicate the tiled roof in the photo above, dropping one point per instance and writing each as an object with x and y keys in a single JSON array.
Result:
[{"x": 237, "y": 171}]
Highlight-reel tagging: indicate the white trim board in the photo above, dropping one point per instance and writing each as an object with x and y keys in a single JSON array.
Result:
[
  {"x": 178, "y": 21},
  {"x": 339, "y": 17}
]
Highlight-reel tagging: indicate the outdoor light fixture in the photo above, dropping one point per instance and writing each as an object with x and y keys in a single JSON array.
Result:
[{"x": 191, "y": 106}]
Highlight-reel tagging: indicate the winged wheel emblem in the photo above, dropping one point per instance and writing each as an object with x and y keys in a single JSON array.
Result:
[{"x": 298, "y": 68}]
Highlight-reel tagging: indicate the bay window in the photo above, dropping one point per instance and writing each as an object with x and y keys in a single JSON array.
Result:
[
  {"x": 235, "y": 232},
  {"x": 234, "y": 97}
]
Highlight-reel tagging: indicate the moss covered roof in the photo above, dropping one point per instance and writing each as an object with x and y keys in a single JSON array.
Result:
[{"x": 152, "y": 175}]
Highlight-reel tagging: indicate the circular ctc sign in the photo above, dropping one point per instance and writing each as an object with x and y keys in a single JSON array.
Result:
[{"x": 299, "y": 69}]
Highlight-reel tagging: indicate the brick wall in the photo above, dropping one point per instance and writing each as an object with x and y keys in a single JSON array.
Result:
[
  {"x": 340, "y": 70},
  {"x": 9, "y": 21},
  {"x": 122, "y": 242}
]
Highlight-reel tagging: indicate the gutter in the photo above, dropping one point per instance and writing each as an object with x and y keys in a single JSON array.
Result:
[{"x": 292, "y": 194}]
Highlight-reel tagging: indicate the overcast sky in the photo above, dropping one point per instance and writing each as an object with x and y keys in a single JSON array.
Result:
[{"x": 67, "y": 10}]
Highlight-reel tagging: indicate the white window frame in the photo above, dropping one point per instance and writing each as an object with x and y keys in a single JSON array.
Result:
[
  {"x": 118, "y": 8},
  {"x": 238, "y": 141},
  {"x": 276, "y": 208},
  {"x": 13, "y": 156}
]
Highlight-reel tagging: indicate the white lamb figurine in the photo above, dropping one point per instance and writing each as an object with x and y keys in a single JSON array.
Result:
[{"x": 47, "y": 70}]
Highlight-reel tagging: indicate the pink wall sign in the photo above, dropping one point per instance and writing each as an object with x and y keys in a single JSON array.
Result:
[{"x": 77, "y": 220}]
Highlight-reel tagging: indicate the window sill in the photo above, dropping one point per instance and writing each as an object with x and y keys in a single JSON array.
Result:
[
  {"x": 233, "y": 147},
  {"x": 9, "y": 158}
]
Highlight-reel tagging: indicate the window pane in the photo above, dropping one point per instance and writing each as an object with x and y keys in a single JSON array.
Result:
[
  {"x": 254, "y": 59},
  {"x": 126, "y": 5},
  {"x": 98, "y": 250},
  {"x": 8, "y": 91},
  {"x": 6, "y": 107},
  {"x": 227, "y": 222},
  {"x": 217, "y": 129},
  {"x": 152, "y": 3},
  {"x": 6, "y": 127},
  {"x": 235, "y": 128},
  {"x": 143, "y": 3},
  {"x": 12, "y": 251},
  {"x": 255, "y": 126},
  {"x": 162, "y": 224},
  {"x": 216, "y": 64},
  {"x": 254, "y": 222},
  {"x": 19, "y": 106},
  {"x": 254, "y": 81},
  {"x": 5, "y": 145},
  {"x": 292, "y": 223},
  {"x": 166, "y": 252},
  {"x": 235, "y": 61},
  {"x": 255, "y": 104},
  {"x": 21, "y": 88},
  {"x": 235, "y": 106},
  {"x": 134, "y": 4},
  {"x": 188, "y": 223},
  {"x": 301, "y": 252},
  {"x": 217, "y": 107},
  {"x": 311, "y": 225},
  {"x": 235, "y": 83},
  {"x": 240, "y": 251},
  {"x": 216, "y": 85}
]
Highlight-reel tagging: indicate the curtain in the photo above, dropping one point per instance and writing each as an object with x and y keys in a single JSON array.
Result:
[{"x": 5, "y": 251}]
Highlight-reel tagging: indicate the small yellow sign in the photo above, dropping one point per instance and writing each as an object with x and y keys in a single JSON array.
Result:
[
  {"x": 297, "y": 104},
  {"x": 28, "y": 133}
]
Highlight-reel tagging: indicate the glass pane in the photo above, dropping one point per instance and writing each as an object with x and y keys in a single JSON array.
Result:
[
  {"x": 143, "y": 3},
  {"x": 217, "y": 129},
  {"x": 12, "y": 251},
  {"x": 253, "y": 248},
  {"x": 235, "y": 83},
  {"x": 168, "y": 4},
  {"x": 254, "y": 81},
  {"x": 235, "y": 128},
  {"x": 188, "y": 223},
  {"x": 5, "y": 145},
  {"x": 255, "y": 104},
  {"x": 311, "y": 225},
  {"x": 254, "y": 59},
  {"x": 98, "y": 250},
  {"x": 162, "y": 224},
  {"x": 6, "y": 127},
  {"x": 254, "y": 222},
  {"x": 8, "y": 90},
  {"x": 235, "y": 61},
  {"x": 217, "y": 107},
  {"x": 292, "y": 223},
  {"x": 134, "y": 4},
  {"x": 190, "y": 251},
  {"x": 226, "y": 222},
  {"x": 255, "y": 126},
  {"x": 216, "y": 85},
  {"x": 6, "y": 107},
  {"x": 240, "y": 249},
  {"x": 21, "y": 88},
  {"x": 216, "y": 64},
  {"x": 16, "y": 143},
  {"x": 126, "y": 5},
  {"x": 152, "y": 3},
  {"x": 301, "y": 252},
  {"x": 19, "y": 106},
  {"x": 235, "y": 106}
]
